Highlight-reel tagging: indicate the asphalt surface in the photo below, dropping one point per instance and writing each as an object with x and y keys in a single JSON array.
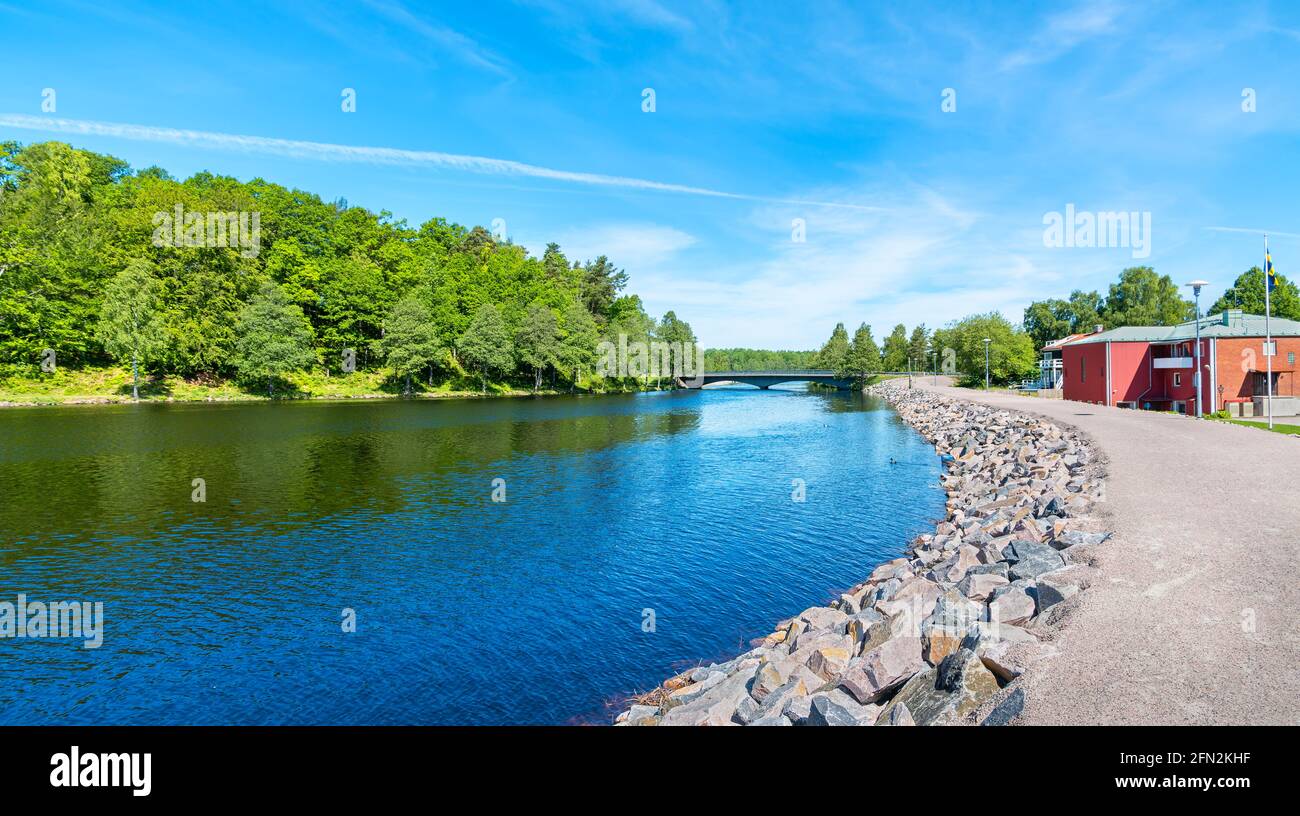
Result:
[{"x": 1195, "y": 617}]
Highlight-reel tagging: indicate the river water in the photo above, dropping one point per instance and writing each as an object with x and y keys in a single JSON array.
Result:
[{"x": 637, "y": 535}]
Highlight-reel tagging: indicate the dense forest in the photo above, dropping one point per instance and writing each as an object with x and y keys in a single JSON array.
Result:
[
  {"x": 106, "y": 265},
  {"x": 745, "y": 359}
]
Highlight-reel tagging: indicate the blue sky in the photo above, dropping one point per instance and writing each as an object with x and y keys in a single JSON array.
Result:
[{"x": 764, "y": 113}]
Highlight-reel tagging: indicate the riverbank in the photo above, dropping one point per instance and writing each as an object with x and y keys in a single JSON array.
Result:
[
  {"x": 944, "y": 633},
  {"x": 112, "y": 386},
  {"x": 1195, "y": 620}
]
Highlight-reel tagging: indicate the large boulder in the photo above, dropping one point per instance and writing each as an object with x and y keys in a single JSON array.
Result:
[
  {"x": 897, "y": 715},
  {"x": 1012, "y": 604},
  {"x": 1008, "y": 659},
  {"x": 1007, "y": 710},
  {"x": 823, "y": 617},
  {"x": 1057, "y": 585},
  {"x": 837, "y": 708},
  {"x": 1029, "y": 559},
  {"x": 687, "y": 694},
  {"x": 947, "y": 693},
  {"x": 917, "y": 596},
  {"x": 979, "y": 585},
  {"x": 882, "y": 669},
  {"x": 887, "y": 569},
  {"x": 716, "y": 706}
]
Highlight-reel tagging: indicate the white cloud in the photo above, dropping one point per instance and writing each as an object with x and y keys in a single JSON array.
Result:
[
  {"x": 640, "y": 248},
  {"x": 323, "y": 151}
]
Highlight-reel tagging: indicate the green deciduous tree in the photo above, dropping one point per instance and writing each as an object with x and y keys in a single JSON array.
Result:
[
  {"x": 894, "y": 353},
  {"x": 1012, "y": 355},
  {"x": 274, "y": 338},
  {"x": 863, "y": 360},
  {"x": 834, "y": 355},
  {"x": 578, "y": 340},
  {"x": 1247, "y": 294},
  {"x": 918, "y": 347},
  {"x": 410, "y": 343},
  {"x": 130, "y": 324},
  {"x": 486, "y": 345},
  {"x": 537, "y": 341},
  {"x": 1143, "y": 298}
]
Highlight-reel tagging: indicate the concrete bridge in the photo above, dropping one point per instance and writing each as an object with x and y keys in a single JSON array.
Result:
[{"x": 766, "y": 379}]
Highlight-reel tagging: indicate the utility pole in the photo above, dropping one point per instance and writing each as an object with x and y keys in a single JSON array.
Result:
[{"x": 1196, "y": 294}]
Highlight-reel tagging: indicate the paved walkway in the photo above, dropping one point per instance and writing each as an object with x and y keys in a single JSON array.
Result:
[{"x": 1196, "y": 615}]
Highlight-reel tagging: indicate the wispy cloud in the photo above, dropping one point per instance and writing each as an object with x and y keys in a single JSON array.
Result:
[
  {"x": 323, "y": 151},
  {"x": 1063, "y": 32},
  {"x": 649, "y": 245},
  {"x": 446, "y": 39}
]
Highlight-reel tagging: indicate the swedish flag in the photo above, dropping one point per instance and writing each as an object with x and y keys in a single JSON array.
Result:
[{"x": 1269, "y": 274}]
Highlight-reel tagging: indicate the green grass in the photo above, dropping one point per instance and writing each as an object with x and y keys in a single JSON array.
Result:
[
  {"x": 1277, "y": 426},
  {"x": 112, "y": 384}
]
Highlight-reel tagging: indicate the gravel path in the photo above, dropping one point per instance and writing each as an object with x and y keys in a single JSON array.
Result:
[{"x": 1196, "y": 616}]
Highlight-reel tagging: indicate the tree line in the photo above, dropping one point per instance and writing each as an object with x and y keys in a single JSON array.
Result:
[
  {"x": 330, "y": 287},
  {"x": 957, "y": 348},
  {"x": 1142, "y": 298}
]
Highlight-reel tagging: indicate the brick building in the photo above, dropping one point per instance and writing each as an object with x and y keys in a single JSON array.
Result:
[{"x": 1154, "y": 367}]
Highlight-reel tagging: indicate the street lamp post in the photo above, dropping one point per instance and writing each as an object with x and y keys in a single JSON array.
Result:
[
  {"x": 986, "y": 363},
  {"x": 1196, "y": 294}
]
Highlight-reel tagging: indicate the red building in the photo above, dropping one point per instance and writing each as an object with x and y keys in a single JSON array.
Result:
[{"x": 1154, "y": 367}]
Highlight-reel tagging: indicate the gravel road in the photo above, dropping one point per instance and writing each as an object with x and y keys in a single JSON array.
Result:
[{"x": 1196, "y": 616}]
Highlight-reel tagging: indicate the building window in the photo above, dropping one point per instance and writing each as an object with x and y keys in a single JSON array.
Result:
[
  {"x": 1178, "y": 379},
  {"x": 1083, "y": 369},
  {"x": 1290, "y": 358}
]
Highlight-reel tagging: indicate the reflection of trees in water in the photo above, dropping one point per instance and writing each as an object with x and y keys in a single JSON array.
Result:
[
  {"x": 846, "y": 402},
  {"x": 268, "y": 464}
]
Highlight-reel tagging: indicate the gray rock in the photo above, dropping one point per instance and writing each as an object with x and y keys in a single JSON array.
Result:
[
  {"x": 692, "y": 692},
  {"x": 1029, "y": 559},
  {"x": 823, "y": 617},
  {"x": 1007, "y": 710},
  {"x": 747, "y": 710},
  {"x": 1074, "y": 538},
  {"x": 1057, "y": 585},
  {"x": 837, "y": 708},
  {"x": 771, "y": 719},
  {"x": 716, "y": 706},
  {"x": 897, "y": 715}
]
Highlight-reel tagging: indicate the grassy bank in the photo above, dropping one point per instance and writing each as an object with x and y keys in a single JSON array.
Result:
[
  {"x": 110, "y": 385},
  {"x": 1263, "y": 426}
]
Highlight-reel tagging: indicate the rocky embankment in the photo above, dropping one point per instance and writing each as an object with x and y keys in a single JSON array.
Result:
[{"x": 941, "y": 634}]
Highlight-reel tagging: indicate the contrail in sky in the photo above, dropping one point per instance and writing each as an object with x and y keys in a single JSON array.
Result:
[
  {"x": 323, "y": 151},
  {"x": 1255, "y": 231}
]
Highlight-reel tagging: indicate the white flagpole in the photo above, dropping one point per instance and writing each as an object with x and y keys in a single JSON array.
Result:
[{"x": 1268, "y": 336}]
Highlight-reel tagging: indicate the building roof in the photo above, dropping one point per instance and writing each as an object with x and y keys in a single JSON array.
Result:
[
  {"x": 1056, "y": 345},
  {"x": 1232, "y": 323}
]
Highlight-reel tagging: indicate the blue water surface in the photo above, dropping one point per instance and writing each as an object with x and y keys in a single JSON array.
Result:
[{"x": 468, "y": 610}]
